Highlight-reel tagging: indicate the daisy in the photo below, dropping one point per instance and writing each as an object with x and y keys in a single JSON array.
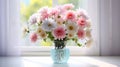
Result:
[
  {"x": 70, "y": 35},
  {"x": 71, "y": 27},
  {"x": 39, "y": 30},
  {"x": 48, "y": 25},
  {"x": 59, "y": 32},
  {"x": 43, "y": 35}
]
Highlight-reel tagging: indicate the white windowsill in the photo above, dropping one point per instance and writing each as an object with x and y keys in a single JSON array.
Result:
[{"x": 79, "y": 61}]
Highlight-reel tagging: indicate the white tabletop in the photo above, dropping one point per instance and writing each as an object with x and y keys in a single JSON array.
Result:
[{"x": 82, "y": 61}]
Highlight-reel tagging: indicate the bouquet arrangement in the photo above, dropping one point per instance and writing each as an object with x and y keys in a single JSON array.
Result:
[{"x": 60, "y": 24}]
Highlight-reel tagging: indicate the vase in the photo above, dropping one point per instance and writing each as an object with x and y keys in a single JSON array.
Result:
[{"x": 60, "y": 54}]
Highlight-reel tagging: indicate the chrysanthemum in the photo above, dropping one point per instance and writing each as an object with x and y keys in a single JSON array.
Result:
[
  {"x": 59, "y": 32},
  {"x": 54, "y": 12},
  {"x": 68, "y": 6},
  {"x": 81, "y": 22},
  {"x": 71, "y": 27},
  {"x": 81, "y": 34},
  {"x": 82, "y": 13},
  {"x": 33, "y": 19},
  {"x": 44, "y": 12},
  {"x": 70, "y": 15},
  {"x": 48, "y": 24},
  {"x": 33, "y": 37}
]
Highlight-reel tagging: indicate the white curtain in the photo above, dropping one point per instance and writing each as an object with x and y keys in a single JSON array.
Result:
[
  {"x": 9, "y": 27},
  {"x": 109, "y": 27}
]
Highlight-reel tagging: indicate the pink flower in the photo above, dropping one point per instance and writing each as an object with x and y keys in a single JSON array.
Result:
[
  {"x": 68, "y": 6},
  {"x": 33, "y": 19},
  {"x": 81, "y": 22},
  {"x": 70, "y": 15},
  {"x": 82, "y": 13},
  {"x": 81, "y": 34},
  {"x": 59, "y": 19},
  {"x": 54, "y": 12},
  {"x": 44, "y": 12},
  {"x": 61, "y": 9},
  {"x": 59, "y": 33},
  {"x": 33, "y": 37}
]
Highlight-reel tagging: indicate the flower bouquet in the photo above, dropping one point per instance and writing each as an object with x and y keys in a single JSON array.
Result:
[{"x": 60, "y": 24}]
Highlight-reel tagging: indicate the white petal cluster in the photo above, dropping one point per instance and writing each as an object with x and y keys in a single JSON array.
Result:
[
  {"x": 48, "y": 24},
  {"x": 33, "y": 19},
  {"x": 72, "y": 27}
]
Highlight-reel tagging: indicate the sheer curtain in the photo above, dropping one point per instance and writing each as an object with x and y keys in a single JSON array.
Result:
[
  {"x": 109, "y": 27},
  {"x": 9, "y": 27}
]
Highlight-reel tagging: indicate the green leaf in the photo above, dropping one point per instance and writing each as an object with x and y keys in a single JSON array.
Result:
[{"x": 79, "y": 44}]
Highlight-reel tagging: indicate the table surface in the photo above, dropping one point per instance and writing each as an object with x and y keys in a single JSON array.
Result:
[{"x": 74, "y": 61}]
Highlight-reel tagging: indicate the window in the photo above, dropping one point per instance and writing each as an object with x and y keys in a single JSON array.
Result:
[{"x": 28, "y": 7}]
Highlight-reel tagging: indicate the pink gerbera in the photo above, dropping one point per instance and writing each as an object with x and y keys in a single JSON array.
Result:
[
  {"x": 81, "y": 22},
  {"x": 70, "y": 15},
  {"x": 33, "y": 37},
  {"x": 59, "y": 33},
  {"x": 81, "y": 34}
]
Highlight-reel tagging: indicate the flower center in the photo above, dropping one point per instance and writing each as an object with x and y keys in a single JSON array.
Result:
[
  {"x": 43, "y": 35},
  {"x": 49, "y": 24},
  {"x": 59, "y": 16},
  {"x": 71, "y": 28},
  {"x": 39, "y": 31},
  {"x": 70, "y": 35},
  {"x": 70, "y": 16}
]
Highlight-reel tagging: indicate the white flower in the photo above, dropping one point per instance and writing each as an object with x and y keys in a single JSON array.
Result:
[
  {"x": 71, "y": 27},
  {"x": 43, "y": 35},
  {"x": 48, "y": 24},
  {"x": 33, "y": 19},
  {"x": 70, "y": 35}
]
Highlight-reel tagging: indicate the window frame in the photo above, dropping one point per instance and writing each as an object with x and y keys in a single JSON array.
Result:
[{"x": 74, "y": 50}]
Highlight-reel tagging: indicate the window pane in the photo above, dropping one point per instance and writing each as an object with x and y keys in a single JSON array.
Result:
[
  {"x": 28, "y": 7},
  {"x": 76, "y": 3}
]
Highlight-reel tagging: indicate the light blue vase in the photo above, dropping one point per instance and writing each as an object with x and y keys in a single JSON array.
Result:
[{"x": 60, "y": 55}]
